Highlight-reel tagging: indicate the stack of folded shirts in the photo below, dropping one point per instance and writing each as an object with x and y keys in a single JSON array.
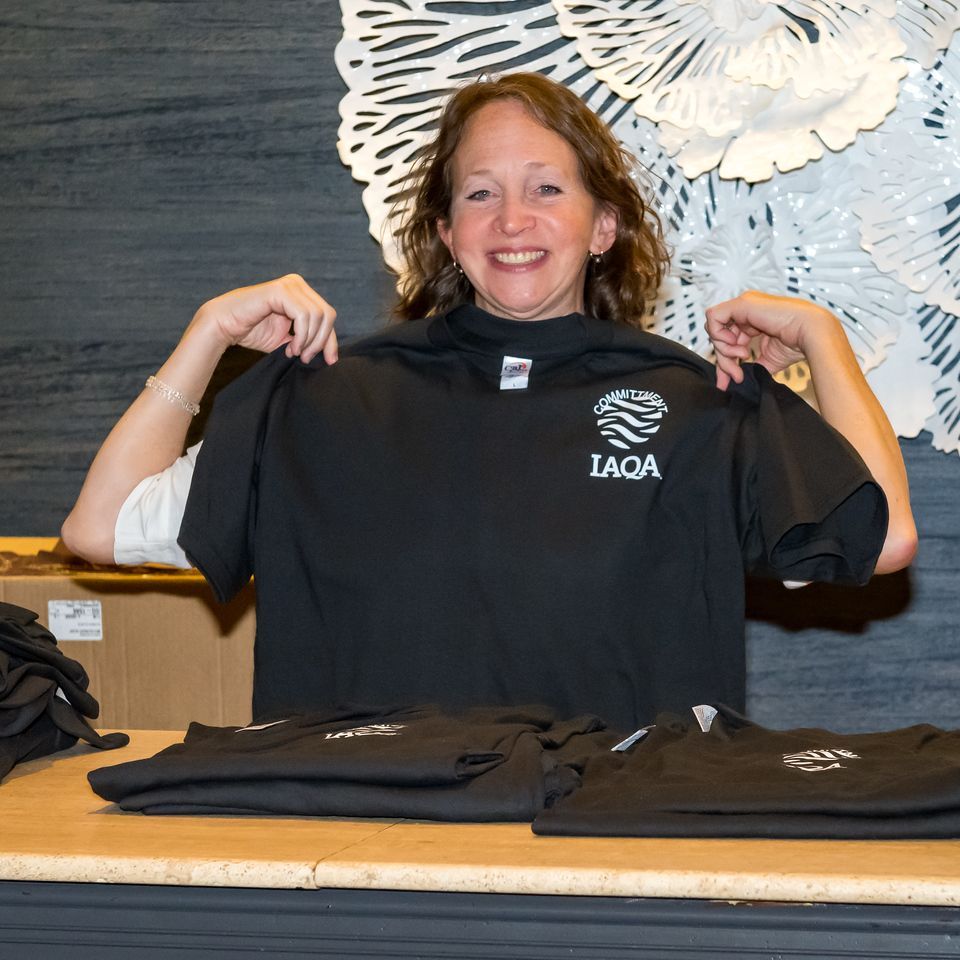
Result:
[
  {"x": 496, "y": 763},
  {"x": 44, "y": 700}
]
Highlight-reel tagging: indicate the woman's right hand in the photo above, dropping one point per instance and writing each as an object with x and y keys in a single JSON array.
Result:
[
  {"x": 150, "y": 435},
  {"x": 268, "y": 315}
]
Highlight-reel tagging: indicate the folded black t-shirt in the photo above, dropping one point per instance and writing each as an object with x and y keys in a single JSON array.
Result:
[
  {"x": 741, "y": 779},
  {"x": 481, "y": 764}
]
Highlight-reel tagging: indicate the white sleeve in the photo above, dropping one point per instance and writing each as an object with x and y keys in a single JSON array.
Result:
[{"x": 149, "y": 520}]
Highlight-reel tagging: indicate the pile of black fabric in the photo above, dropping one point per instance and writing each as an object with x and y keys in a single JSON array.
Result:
[
  {"x": 712, "y": 773},
  {"x": 44, "y": 702},
  {"x": 719, "y": 775},
  {"x": 486, "y": 763}
]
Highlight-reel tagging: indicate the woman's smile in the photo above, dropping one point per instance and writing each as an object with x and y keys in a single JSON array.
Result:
[{"x": 518, "y": 258}]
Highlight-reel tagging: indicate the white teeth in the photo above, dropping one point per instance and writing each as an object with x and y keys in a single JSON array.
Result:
[{"x": 525, "y": 256}]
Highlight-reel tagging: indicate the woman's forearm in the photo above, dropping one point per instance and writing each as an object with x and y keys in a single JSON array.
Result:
[
  {"x": 148, "y": 438},
  {"x": 848, "y": 404},
  {"x": 150, "y": 435}
]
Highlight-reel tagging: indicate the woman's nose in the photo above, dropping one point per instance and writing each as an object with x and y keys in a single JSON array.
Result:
[{"x": 515, "y": 216}]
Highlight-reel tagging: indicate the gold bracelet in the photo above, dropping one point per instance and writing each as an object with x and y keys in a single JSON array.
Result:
[{"x": 174, "y": 396}]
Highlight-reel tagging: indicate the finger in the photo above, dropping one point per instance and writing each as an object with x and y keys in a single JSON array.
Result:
[
  {"x": 722, "y": 334},
  {"x": 282, "y": 295},
  {"x": 724, "y": 314},
  {"x": 731, "y": 343},
  {"x": 320, "y": 330},
  {"x": 304, "y": 325},
  {"x": 730, "y": 368},
  {"x": 717, "y": 323},
  {"x": 738, "y": 308},
  {"x": 730, "y": 321},
  {"x": 307, "y": 321},
  {"x": 331, "y": 349},
  {"x": 312, "y": 317},
  {"x": 321, "y": 337},
  {"x": 741, "y": 351},
  {"x": 734, "y": 332}
]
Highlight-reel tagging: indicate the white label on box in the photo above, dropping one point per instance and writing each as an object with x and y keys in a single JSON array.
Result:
[{"x": 75, "y": 619}]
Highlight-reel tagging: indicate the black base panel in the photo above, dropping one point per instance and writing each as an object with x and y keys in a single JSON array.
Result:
[{"x": 49, "y": 921}]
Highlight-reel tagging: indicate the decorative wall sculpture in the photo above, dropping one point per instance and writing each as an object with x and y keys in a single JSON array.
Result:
[{"x": 805, "y": 148}]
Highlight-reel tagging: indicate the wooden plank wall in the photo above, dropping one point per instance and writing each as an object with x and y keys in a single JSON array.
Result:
[{"x": 154, "y": 154}]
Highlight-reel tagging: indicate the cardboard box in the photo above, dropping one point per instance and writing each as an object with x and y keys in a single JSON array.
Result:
[{"x": 159, "y": 649}]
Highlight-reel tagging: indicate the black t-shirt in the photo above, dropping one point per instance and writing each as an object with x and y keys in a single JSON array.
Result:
[
  {"x": 419, "y": 533},
  {"x": 482, "y": 764},
  {"x": 741, "y": 779}
]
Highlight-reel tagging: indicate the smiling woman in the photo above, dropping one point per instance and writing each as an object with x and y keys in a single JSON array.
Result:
[
  {"x": 516, "y": 162},
  {"x": 517, "y": 495}
]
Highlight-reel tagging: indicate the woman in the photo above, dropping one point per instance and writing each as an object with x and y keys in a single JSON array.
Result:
[{"x": 521, "y": 497}]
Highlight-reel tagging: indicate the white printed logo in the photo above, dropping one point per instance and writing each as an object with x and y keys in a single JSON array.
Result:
[
  {"x": 629, "y": 468},
  {"x": 627, "y": 417},
  {"x": 812, "y": 761},
  {"x": 370, "y": 730}
]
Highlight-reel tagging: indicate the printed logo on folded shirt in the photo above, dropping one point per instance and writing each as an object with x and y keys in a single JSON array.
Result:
[
  {"x": 627, "y": 418},
  {"x": 368, "y": 730},
  {"x": 813, "y": 761}
]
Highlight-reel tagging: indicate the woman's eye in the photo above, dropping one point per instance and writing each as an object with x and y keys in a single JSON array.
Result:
[
  {"x": 548, "y": 189},
  {"x": 478, "y": 195}
]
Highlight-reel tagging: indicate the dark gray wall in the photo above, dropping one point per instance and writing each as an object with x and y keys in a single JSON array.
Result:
[{"x": 154, "y": 154}]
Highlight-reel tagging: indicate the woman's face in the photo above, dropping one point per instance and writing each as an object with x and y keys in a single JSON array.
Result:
[{"x": 522, "y": 223}]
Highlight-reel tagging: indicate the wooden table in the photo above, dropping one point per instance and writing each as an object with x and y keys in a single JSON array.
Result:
[{"x": 82, "y": 878}]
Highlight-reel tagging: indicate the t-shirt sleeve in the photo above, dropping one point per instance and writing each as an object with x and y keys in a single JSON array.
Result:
[
  {"x": 809, "y": 508},
  {"x": 149, "y": 519},
  {"x": 219, "y": 519}
]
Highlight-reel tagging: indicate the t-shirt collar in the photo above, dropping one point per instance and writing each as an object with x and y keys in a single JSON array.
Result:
[{"x": 467, "y": 327}]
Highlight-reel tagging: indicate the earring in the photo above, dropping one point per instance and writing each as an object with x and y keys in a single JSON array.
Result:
[
  {"x": 457, "y": 267},
  {"x": 596, "y": 258}
]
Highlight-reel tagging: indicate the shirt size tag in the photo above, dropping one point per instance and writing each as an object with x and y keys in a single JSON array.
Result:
[
  {"x": 631, "y": 740},
  {"x": 75, "y": 619},
  {"x": 261, "y": 726},
  {"x": 515, "y": 373},
  {"x": 704, "y": 714}
]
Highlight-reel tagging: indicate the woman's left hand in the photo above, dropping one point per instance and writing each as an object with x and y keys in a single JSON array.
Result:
[
  {"x": 770, "y": 330},
  {"x": 783, "y": 330}
]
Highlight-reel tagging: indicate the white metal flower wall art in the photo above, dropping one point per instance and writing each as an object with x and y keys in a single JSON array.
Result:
[
  {"x": 745, "y": 85},
  {"x": 908, "y": 173},
  {"x": 908, "y": 200},
  {"x": 906, "y": 382},
  {"x": 401, "y": 58},
  {"x": 775, "y": 67},
  {"x": 941, "y": 334},
  {"x": 927, "y": 27},
  {"x": 789, "y": 235}
]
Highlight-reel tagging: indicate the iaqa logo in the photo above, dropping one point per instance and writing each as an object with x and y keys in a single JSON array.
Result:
[{"x": 627, "y": 418}]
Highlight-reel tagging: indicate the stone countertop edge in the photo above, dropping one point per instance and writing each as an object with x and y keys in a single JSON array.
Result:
[
  {"x": 668, "y": 884},
  {"x": 68, "y": 868}
]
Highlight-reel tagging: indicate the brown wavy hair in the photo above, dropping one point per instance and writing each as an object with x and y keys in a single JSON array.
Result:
[{"x": 620, "y": 288}]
